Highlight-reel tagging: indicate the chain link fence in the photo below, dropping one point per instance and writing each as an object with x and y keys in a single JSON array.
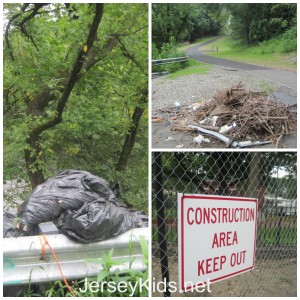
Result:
[{"x": 268, "y": 176}]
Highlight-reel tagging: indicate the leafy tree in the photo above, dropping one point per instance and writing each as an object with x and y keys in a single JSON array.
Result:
[
  {"x": 257, "y": 22},
  {"x": 193, "y": 172},
  {"x": 183, "y": 22},
  {"x": 75, "y": 91}
]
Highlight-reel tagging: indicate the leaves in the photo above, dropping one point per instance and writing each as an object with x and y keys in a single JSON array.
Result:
[{"x": 98, "y": 114}]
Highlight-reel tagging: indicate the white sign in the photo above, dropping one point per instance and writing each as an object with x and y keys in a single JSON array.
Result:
[{"x": 217, "y": 236}]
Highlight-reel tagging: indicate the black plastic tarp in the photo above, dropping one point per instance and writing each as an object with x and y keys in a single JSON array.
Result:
[{"x": 83, "y": 206}]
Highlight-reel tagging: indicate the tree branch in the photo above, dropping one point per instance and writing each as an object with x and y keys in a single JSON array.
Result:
[
  {"x": 128, "y": 55},
  {"x": 75, "y": 73},
  {"x": 35, "y": 10}
]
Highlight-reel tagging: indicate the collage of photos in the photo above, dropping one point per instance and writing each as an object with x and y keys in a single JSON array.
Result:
[{"x": 149, "y": 149}]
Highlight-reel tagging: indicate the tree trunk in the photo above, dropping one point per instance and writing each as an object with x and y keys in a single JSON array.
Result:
[
  {"x": 130, "y": 139},
  {"x": 34, "y": 171},
  {"x": 42, "y": 99},
  {"x": 223, "y": 171},
  {"x": 253, "y": 180}
]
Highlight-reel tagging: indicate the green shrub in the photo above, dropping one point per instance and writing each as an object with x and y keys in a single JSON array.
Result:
[
  {"x": 168, "y": 50},
  {"x": 289, "y": 40}
]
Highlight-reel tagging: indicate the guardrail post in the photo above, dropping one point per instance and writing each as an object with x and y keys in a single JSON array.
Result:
[{"x": 161, "y": 225}]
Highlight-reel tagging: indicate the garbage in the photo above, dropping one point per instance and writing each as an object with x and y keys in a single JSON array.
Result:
[
  {"x": 259, "y": 117},
  {"x": 227, "y": 128},
  {"x": 98, "y": 221},
  {"x": 9, "y": 225},
  {"x": 177, "y": 104},
  {"x": 230, "y": 142},
  {"x": 256, "y": 114},
  {"x": 82, "y": 206},
  {"x": 157, "y": 119},
  {"x": 179, "y": 146},
  {"x": 200, "y": 138},
  {"x": 196, "y": 105},
  {"x": 168, "y": 139},
  {"x": 209, "y": 121}
]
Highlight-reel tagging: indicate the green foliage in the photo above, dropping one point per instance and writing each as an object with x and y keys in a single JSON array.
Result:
[
  {"x": 268, "y": 53},
  {"x": 184, "y": 172},
  {"x": 257, "y": 22},
  {"x": 167, "y": 50},
  {"x": 184, "y": 22},
  {"x": 129, "y": 277},
  {"x": 99, "y": 112}
]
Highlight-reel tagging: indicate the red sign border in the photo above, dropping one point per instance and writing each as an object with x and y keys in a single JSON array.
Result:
[{"x": 210, "y": 197}]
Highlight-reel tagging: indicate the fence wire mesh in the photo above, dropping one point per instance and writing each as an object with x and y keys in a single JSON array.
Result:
[{"x": 268, "y": 176}]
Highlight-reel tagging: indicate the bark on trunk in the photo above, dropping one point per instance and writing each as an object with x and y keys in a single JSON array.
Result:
[
  {"x": 42, "y": 99},
  {"x": 130, "y": 139}
]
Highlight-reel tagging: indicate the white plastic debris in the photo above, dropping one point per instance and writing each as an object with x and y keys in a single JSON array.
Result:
[
  {"x": 245, "y": 144},
  {"x": 179, "y": 146},
  {"x": 177, "y": 104},
  {"x": 209, "y": 121},
  {"x": 169, "y": 138},
  {"x": 200, "y": 138},
  {"x": 227, "y": 128},
  {"x": 196, "y": 106},
  {"x": 214, "y": 120}
]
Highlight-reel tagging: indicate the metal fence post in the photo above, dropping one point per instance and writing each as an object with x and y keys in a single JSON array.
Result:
[
  {"x": 161, "y": 226},
  {"x": 279, "y": 226},
  {"x": 219, "y": 173}
]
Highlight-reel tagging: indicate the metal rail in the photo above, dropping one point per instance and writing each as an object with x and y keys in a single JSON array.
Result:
[
  {"x": 164, "y": 61},
  {"x": 23, "y": 264}
]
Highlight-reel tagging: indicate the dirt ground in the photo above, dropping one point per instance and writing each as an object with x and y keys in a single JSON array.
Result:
[
  {"x": 270, "y": 278},
  {"x": 163, "y": 137}
]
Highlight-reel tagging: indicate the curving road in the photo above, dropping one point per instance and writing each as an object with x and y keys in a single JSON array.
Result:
[
  {"x": 286, "y": 79},
  {"x": 285, "y": 83}
]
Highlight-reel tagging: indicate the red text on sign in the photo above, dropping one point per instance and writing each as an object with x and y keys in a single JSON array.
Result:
[
  {"x": 210, "y": 265},
  {"x": 223, "y": 239},
  {"x": 237, "y": 258}
]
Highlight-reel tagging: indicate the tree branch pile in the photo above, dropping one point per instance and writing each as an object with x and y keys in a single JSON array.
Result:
[{"x": 257, "y": 116}]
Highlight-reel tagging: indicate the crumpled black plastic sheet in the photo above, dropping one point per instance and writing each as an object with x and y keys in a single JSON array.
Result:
[{"x": 82, "y": 205}]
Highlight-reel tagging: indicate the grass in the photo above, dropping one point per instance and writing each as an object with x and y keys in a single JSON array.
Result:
[
  {"x": 267, "y": 54},
  {"x": 193, "y": 67},
  {"x": 129, "y": 277},
  {"x": 267, "y": 236}
]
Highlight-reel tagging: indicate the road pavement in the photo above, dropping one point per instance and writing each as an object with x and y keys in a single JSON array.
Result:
[{"x": 287, "y": 80}]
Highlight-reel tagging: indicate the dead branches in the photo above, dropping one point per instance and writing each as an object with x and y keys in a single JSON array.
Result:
[{"x": 256, "y": 116}]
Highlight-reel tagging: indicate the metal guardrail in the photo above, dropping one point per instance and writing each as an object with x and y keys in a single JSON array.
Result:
[
  {"x": 169, "y": 60},
  {"x": 165, "y": 61},
  {"x": 23, "y": 264}
]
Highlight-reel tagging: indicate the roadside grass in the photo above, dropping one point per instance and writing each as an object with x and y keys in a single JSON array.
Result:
[
  {"x": 193, "y": 67},
  {"x": 266, "y": 54},
  {"x": 106, "y": 283}
]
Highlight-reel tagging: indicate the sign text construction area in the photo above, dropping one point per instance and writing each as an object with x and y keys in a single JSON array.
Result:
[{"x": 217, "y": 236}]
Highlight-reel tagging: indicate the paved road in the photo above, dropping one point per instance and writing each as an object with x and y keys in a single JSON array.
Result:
[
  {"x": 286, "y": 92},
  {"x": 286, "y": 79}
]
